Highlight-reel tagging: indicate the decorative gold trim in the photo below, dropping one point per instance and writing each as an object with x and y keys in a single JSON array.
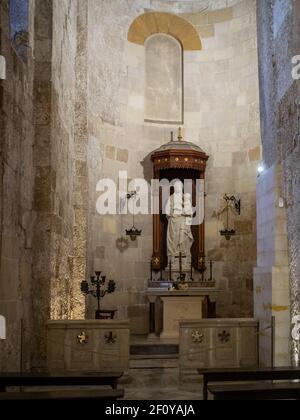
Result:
[
  {"x": 159, "y": 22},
  {"x": 197, "y": 337},
  {"x": 82, "y": 338}
]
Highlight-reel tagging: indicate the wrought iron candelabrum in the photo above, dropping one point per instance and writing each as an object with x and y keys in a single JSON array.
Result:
[{"x": 95, "y": 288}]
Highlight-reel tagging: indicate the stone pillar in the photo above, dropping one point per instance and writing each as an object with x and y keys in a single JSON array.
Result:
[
  {"x": 271, "y": 276},
  {"x": 44, "y": 180},
  {"x": 80, "y": 193}
]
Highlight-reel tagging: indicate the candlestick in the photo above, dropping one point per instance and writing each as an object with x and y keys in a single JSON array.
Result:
[
  {"x": 170, "y": 270},
  {"x": 96, "y": 289},
  {"x": 211, "y": 270},
  {"x": 151, "y": 273},
  {"x": 192, "y": 271}
]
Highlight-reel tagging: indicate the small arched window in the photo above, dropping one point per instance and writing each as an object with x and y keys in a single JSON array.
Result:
[
  {"x": 164, "y": 80},
  {"x": 19, "y": 26}
]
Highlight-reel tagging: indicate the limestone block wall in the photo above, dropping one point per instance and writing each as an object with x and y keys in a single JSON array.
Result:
[
  {"x": 55, "y": 86},
  {"x": 221, "y": 114},
  {"x": 271, "y": 277},
  {"x": 16, "y": 186},
  {"x": 281, "y": 136},
  {"x": 64, "y": 51},
  {"x": 42, "y": 180}
]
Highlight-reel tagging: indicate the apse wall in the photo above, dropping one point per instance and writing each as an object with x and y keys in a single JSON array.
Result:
[
  {"x": 278, "y": 295},
  {"x": 221, "y": 115}
]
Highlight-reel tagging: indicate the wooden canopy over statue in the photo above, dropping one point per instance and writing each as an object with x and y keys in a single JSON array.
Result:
[{"x": 178, "y": 160}]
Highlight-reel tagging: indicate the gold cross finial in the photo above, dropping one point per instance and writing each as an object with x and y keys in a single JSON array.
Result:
[{"x": 180, "y": 137}]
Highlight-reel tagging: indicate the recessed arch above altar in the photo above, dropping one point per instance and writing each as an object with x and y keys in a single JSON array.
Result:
[{"x": 167, "y": 23}]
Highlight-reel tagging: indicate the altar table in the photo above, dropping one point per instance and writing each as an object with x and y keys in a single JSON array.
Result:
[{"x": 178, "y": 305}]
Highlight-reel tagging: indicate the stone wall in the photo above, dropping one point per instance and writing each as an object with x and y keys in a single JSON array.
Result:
[
  {"x": 16, "y": 190},
  {"x": 271, "y": 277},
  {"x": 221, "y": 115},
  {"x": 55, "y": 191},
  {"x": 62, "y": 159},
  {"x": 280, "y": 136},
  {"x": 41, "y": 251}
]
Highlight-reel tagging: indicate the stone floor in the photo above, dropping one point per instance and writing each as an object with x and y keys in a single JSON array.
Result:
[
  {"x": 155, "y": 376},
  {"x": 159, "y": 384},
  {"x": 149, "y": 394}
]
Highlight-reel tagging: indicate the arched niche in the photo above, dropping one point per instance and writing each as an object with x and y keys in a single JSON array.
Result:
[{"x": 164, "y": 80}]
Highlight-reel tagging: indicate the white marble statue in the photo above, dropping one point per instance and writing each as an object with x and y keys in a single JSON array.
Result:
[{"x": 179, "y": 236}]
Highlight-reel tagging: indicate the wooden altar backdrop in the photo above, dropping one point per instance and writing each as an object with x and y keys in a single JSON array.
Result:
[{"x": 178, "y": 160}]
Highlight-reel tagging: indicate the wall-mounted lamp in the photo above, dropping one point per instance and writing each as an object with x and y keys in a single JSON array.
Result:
[
  {"x": 2, "y": 68},
  {"x": 133, "y": 232},
  {"x": 281, "y": 203},
  {"x": 260, "y": 169},
  {"x": 233, "y": 204}
]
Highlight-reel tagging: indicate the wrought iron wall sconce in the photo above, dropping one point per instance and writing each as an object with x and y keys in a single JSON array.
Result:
[
  {"x": 235, "y": 201},
  {"x": 233, "y": 204},
  {"x": 95, "y": 289},
  {"x": 133, "y": 232}
]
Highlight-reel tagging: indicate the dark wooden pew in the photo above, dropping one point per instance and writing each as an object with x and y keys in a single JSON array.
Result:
[
  {"x": 247, "y": 374},
  {"x": 256, "y": 391},
  {"x": 58, "y": 380},
  {"x": 113, "y": 394}
]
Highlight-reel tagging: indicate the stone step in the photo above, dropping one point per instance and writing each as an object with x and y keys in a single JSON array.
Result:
[
  {"x": 149, "y": 350},
  {"x": 162, "y": 394},
  {"x": 149, "y": 363}
]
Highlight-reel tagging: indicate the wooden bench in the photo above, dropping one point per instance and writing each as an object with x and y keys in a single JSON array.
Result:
[
  {"x": 58, "y": 380},
  {"x": 247, "y": 374},
  {"x": 256, "y": 391},
  {"x": 113, "y": 394}
]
